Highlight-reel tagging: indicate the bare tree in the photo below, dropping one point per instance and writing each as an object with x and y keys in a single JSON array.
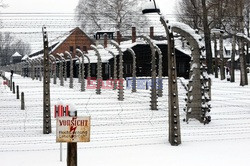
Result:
[
  {"x": 247, "y": 26},
  {"x": 21, "y": 47},
  {"x": 234, "y": 28},
  {"x": 196, "y": 14},
  {"x": 204, "y": 15},
  {"x": 207, "y": 36},
  {"x": 2, "y": 4},
  {"x": 9, "y": 45},
  {"x": 108, "y": 14},
  {"x": 5, "y": 47},
  {"x": 243, "y": 72},
  {"x": 189, "y": 12},
  {"x": 229, "y": 15}
]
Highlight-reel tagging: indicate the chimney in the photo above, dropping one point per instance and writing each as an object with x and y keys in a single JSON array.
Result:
[
  {"x": 118, "y": 37},
  {"x": 151, "y": 32},
  {"x": 133, "y": 34},
  {"x": 105, "y": 40}
]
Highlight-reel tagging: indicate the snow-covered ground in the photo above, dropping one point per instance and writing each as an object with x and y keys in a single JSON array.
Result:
[{"x": 126, "y": 132}]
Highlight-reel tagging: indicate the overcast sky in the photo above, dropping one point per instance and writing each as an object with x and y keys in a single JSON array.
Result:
[
  {"x": 56, "y": 6},
  {"x": 65, "y": 6}
]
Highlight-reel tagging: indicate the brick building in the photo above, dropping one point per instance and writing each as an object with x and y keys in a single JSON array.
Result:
[{"x": 74, "y": 39}]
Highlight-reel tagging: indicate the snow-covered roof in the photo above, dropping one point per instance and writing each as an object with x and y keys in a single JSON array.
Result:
[
  {"x": 59, "y": 40},
  {"x": 186, "y": 49},
  {"x": 55, "y": 42},
  {"x": 227, "y": 47},
  {"x": 102, "y": 31},
  {"x": 37, "y": 56},
  {"x": 106, "y": 56},
  {"x": 25, "y": 57},
  {"x": 16, "y": 55}
]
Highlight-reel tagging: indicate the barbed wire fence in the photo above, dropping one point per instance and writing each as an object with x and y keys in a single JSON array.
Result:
[
  {"x": 132, "y": 120},
  {"x": 120, "y": 119}
]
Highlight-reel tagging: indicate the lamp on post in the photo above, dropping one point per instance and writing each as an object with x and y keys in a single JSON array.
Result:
[
  {"x": 151, "y": 10},
  {"x": 173, "y": 103}
]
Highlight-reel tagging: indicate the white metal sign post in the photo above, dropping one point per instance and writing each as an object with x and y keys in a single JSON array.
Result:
[{"x": 59, "y": 111}]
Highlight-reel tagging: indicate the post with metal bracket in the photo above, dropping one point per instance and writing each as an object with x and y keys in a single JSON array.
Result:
[
  {"x": 29, "y": 69},
  {"x": 82, "y": 71},
  {"x": 153, "y": 74},
  {"x": 71, "y": 69},
  {"x": 197, "y": 97},
  {"x": 65, "y": 70},
  {"x": 88, "y": 69},
  {"x": 36, "y": 68},
  {"x": 21, "y": 68},
  {"x": 115, "y": 71},
  {"x": 133, "y": 69},
  {"x": 120, "y": 85},
  {"x": 46, "y": 85},
  {"x": 89, "y": 65},
  {"x": 40, "y": 69},
  {"x": 160, "y": 84},
  {"x": 32, "y": 70},
  {"x": 99, "y": 69},
  {"x": 173, "y": 102},
  {"x": 61, "y": 69},
  {"x": 54, "y": 68},
  {"x": 79, "y": 69},
  {"x": 61, "y": 72}
]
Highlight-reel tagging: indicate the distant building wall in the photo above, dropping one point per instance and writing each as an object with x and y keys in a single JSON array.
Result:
[
  {"x": 77, "y": 39},
  {"x": 14, "y": 59}
]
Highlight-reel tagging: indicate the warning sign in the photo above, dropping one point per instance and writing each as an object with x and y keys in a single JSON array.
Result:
[{"x": 73, "y": 129}]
